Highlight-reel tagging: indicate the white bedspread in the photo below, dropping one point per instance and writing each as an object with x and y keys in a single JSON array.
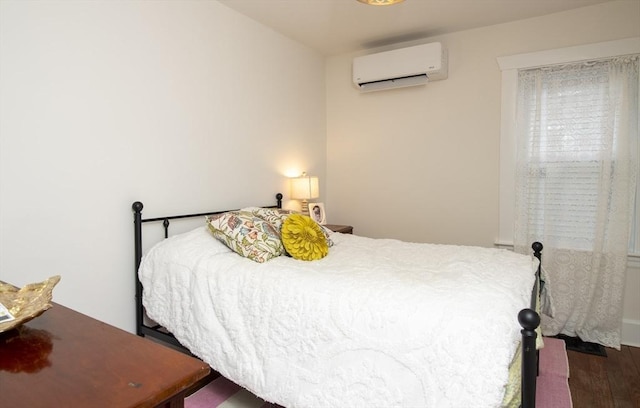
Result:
[{"x": 377, "y": 323}]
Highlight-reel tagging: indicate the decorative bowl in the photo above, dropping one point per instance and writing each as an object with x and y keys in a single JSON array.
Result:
[{"x": 26, "y": 303}]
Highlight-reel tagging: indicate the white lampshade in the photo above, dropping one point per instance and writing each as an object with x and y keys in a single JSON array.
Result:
[{"x": 305, "y": 187}]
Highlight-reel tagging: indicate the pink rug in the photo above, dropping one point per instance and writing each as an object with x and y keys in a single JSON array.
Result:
[
  {"x": 222, "y": 393},
  {"x": 553, "y": 358},
  {"x": 552, "y": 389}
]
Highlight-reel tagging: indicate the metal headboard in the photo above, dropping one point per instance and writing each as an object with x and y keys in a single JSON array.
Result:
[{"x": 157, "y": 331}]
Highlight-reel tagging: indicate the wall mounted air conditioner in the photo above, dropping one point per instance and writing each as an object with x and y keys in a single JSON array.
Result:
[{"x": 399, "y": 68}]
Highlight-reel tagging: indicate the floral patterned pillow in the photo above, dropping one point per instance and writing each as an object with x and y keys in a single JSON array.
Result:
[
  {"x": 246, "y": 234},
  {"x": 274, "y": 216}
]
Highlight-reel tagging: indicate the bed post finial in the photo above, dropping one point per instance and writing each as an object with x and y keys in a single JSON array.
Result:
[
  {"x": 537, "y": 249},
  {"x": 137, "y": 206},
  {"x": 529, "y": 320},
  {"x": 279, "y": 200}
]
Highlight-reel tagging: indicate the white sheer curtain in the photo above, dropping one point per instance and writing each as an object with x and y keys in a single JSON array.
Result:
[{"x": 576, "y": 177}]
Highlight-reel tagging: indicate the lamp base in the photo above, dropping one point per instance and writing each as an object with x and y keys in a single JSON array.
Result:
[{"x": 305, "y": 207}]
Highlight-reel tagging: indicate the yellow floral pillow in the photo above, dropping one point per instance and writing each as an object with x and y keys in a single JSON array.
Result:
[{"x": 303, "y": 238}]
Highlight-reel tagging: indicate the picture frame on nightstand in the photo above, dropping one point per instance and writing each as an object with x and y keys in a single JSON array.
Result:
[{"x": 317, "y": 213}]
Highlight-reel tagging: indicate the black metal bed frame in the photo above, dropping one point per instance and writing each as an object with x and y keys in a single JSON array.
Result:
[{"x": 528, "y": 318}]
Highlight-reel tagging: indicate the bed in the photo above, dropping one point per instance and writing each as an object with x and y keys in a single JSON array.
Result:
[{"x": 376, "y": 322}]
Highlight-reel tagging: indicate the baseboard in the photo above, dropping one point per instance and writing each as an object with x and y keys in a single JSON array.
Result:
[{"x": 630, "y": 332}]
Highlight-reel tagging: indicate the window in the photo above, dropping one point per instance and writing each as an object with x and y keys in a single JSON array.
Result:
[
  {"x": 567, "y": 116},
  {"x": 567, "y": 100}
]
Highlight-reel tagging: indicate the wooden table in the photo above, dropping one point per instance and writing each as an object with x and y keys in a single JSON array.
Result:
[
  {"x": 344, "y": 229},
  {"x": 66, "y": 359}
]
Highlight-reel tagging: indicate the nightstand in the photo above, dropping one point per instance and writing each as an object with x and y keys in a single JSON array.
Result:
[{"x": 345, "y": 229}]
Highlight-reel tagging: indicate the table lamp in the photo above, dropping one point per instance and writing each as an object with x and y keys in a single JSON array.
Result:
[{"x": 305, "y": 188}]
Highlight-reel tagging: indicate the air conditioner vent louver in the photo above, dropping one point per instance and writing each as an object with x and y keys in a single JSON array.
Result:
[{"x": 394, "y": 83}]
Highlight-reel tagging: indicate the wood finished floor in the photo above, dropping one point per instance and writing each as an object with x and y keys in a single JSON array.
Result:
[{"x": 604, "y": 382}]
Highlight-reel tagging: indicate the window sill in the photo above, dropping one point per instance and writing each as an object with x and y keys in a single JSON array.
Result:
[{"x": 633, "y": 260}]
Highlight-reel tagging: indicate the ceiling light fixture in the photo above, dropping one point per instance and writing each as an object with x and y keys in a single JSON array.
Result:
[{"x": 380, "y": 2}]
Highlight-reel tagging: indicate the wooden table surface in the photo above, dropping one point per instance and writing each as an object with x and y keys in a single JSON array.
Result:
[{"x": 66, "y": 359}]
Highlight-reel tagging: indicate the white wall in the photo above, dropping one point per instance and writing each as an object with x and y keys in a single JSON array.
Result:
[
  {"x": 422, "y": 163},
  {"x": 187, "y": 106}
]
